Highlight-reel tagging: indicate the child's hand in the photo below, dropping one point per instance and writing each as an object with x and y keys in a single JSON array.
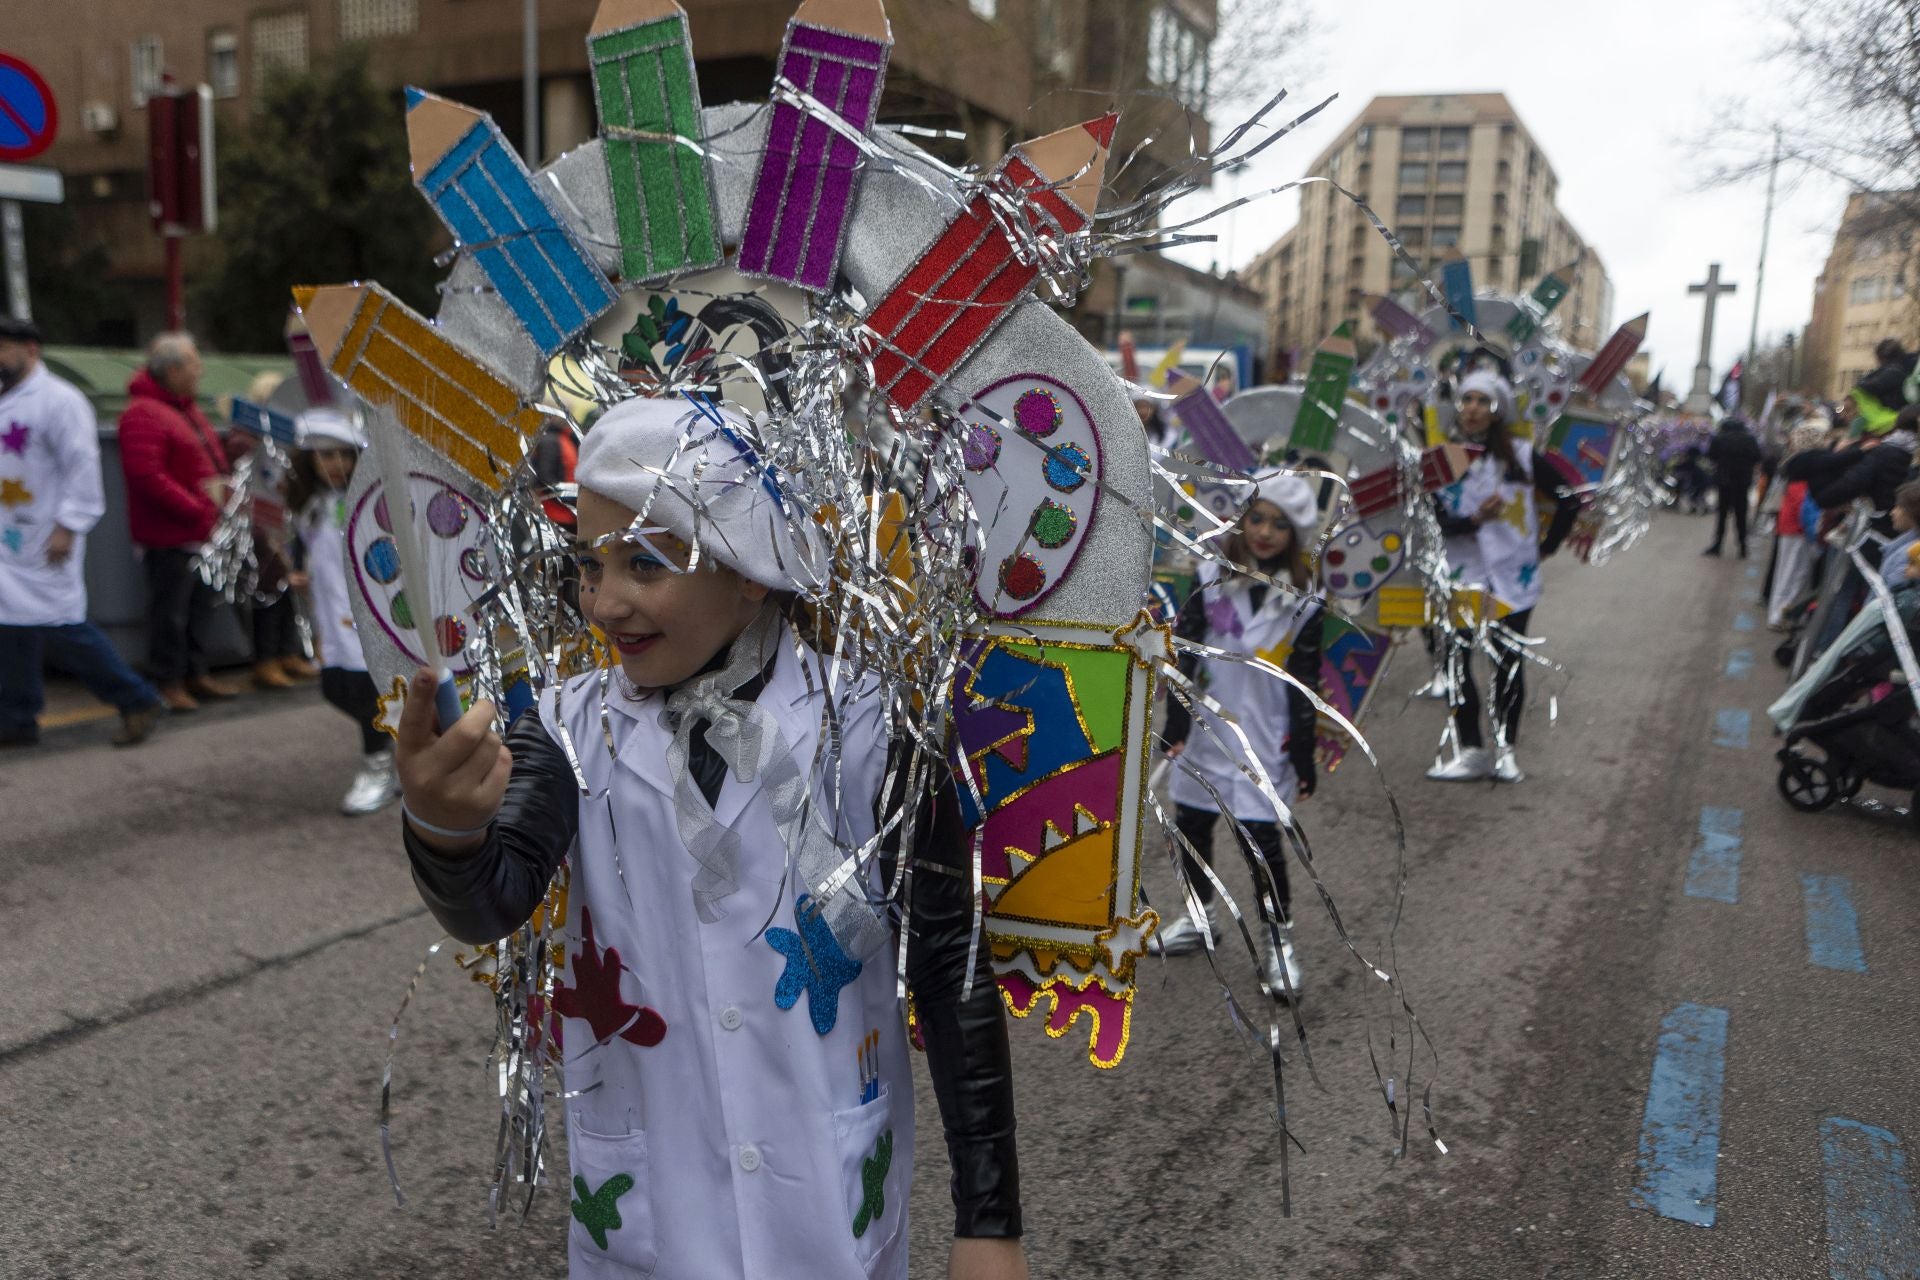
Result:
[
  {"x": 298, "y": 581},
  {"x": 976, "y": 1258},
  {"x": 455, "y": 779}
]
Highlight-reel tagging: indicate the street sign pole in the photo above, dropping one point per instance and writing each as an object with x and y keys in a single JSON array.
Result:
[{"x": 15, "y": 249}]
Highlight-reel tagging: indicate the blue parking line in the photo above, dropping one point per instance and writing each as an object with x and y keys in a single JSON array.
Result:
[
  {"x": 1872, "y": 1231},
  {"x": 1743, "y": 621},
  {"x": 1714, "y": 870},
  {"x": 1833, "y": 926},
  {"x": 1753, "y": 571},
  {"x": 1680, "y": 1135},
  {"x": 1732, "y": 727},
  {"x": 1739, "y": 664}
]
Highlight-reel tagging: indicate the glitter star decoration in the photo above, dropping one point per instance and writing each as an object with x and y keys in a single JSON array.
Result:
[
  {"x": 1223, "y": 617},
  {"x": 815, "y": 965},
  {"x": 873, "y": 1184},
  {"x": 14, "y": 494},
  {"x": 14, "y": 438},
  {"x": 596, "y": 1211},
  {"x": 595, "y": 995}
]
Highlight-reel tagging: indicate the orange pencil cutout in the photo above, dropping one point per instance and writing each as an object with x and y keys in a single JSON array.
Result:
[{"x": 393, "y": 356}]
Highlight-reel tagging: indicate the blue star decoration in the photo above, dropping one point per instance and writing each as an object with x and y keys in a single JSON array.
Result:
[
  {"x": 1526, "y": 574},
  {"x": 873, "y": 1184},
  {"x": 815, "y": 965},
  {"x": 596, "y": 1212}
]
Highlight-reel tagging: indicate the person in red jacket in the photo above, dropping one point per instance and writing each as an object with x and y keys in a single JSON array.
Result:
[{"x": 176, "y": 474}]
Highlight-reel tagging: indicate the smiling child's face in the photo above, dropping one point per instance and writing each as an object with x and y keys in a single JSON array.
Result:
[{"x": 665, "y": 624}]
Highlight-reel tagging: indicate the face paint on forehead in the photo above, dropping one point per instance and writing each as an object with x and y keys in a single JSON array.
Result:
[{"x": 658, "y": 542}]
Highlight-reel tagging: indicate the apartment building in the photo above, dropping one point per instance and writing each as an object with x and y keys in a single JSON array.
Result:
[
  {"x": 1865, "y": 293},
  {"x": 1445, "y": 172}
]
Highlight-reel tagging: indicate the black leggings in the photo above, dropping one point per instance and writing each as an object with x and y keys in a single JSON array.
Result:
[
  {"x": 1733, "y": 502},
  {"x": 1197, "y": 826},
  {"x": 276, "y": 629},
  {"x": 1509, "y": 686},
  {"x": 353, "y": 693}
]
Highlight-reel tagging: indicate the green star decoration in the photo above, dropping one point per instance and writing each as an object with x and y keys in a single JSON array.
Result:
[
  {"x": 873, "y": 1185},
  {"x": 596, "y": 1212}
]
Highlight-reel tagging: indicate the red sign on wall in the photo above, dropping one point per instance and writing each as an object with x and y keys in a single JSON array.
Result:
[{"x": 28, "y": 115}]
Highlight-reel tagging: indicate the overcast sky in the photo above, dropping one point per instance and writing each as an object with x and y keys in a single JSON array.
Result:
[{"x": 1612, "y": 93}]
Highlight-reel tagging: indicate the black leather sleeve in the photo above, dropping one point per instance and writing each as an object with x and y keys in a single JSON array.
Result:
[
  {"x": 966, "y": 1039},
  {"x": 489, "y": 893},
  {"x": 1190, "y": 625},
  {"x": 1546, "y": 484},
  {"x": 1451, "y": 525}
]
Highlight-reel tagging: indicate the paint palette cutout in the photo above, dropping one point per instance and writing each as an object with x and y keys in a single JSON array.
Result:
[
  {"x": 454, "y": 542},
  {"x": 1033, "y": 474},
  {"x": 1363, "y": 557}
]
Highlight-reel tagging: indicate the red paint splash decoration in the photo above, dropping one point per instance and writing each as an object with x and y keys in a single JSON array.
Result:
[{"x": 595, "y": 995}]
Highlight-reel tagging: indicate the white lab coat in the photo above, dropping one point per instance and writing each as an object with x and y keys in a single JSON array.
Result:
[
  {"x": 1260, "y": 702},
  {"x": 322, "y": 527},
  {"x": 49, "y": 475},
  {"x": 742, "y": 1128},
  {"x": 1502, "y": 555}
]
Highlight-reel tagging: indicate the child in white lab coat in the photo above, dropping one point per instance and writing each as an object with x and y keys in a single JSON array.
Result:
[
  {"x": 1241, "y": 615},
  {"x": 739, "y": 1101},
  {"x": 330, "y": 441}
]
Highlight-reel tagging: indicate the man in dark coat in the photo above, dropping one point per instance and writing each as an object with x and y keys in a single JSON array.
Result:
[
  {"x": 1734, "y": 453},
  {"x": 176, "y": 473}
]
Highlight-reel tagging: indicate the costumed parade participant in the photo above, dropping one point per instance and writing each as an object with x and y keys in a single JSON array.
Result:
[
  {"x": 1796, "y": 547},
  {"x": 331, "y": 441},
  {"x": 50, "y": 499},
  {"x": 1237, "y": 614},
  {"x": 769, "y": 1146},
  {"x": 1494, "y": 541}
]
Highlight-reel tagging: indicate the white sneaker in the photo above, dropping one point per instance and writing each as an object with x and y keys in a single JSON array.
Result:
[
  {"x": 1181, "y": 936},
  {"x": 1435, "y": 689},
  {"x": 1277, "y": 962},
  {"x": 1470, "y": 765},
  {"x": 374, "y": 788},
  {"x": 1506, "y": 768}
]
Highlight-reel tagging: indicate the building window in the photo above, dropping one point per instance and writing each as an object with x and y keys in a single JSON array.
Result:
[
  {"x": 1416, "y": 142},
  {"x": 1866, "y": 289},
  {"x": 1446, "y": 237},
  {"x": 1177, "y": 56},
  {"x": 1411, "y": 207},
  {"x": 371, "y": 19},
  {"x": 279, "y": 44},
  {"x": 223, "y": 63},
  {"x": 147, "y": 61},
  {"x": 1413, "y": 175},
  {"x": 1413, "y": 239},
  {"x": 1449, "y": 206},
  {"x": 1452, "y": 173},
  {"x": 1364, "y": 138},
  {"x": 1455, "y": 140}
]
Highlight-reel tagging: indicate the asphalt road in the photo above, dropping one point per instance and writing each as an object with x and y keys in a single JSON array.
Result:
[{"x": 202, "y": 960}]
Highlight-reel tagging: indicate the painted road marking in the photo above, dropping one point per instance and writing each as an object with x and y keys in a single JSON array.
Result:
[
  {"x": 1753, "y": 571},
  {"x": 1714, "y": 870},
  {"x": 1732, "y": 727},
  {"x": 1743, "y": 621},
  {"x": 1872, "y": 1230},
  {"x": 1739, "y": 664},
  {"x": 1680, "y": 1136},
  {"x": 1833, "y": 926}
]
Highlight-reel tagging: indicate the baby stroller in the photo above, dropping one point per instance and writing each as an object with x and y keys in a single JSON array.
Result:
[{"x": 1843, "y": 736}]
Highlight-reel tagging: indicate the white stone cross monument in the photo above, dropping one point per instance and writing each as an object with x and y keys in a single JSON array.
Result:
[{"x": 1700, "y": 399}]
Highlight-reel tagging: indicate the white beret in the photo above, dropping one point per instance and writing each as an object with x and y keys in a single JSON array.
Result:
[
  {"x": 1494, "y": 387},
  {"x": 1295, "y": 498},
  {"x": 319, "y": 426},
  {"x": 697, "y": 467}
]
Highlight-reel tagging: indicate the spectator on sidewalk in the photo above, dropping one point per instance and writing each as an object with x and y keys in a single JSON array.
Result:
[
  {"x": 176, "y": 474},
  {"x": 1734, "y": 453},
  {"x": 50, "y": 497}
]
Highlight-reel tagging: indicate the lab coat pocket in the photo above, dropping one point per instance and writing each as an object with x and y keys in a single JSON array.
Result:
[
  {"x": 873, "y": 1186},
  {"x": 612, "y": 1200}
]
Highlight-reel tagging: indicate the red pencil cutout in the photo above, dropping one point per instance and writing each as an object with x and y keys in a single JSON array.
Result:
[
  {"x": 965, "y": 283},
  {"x": 1613, "y": 357}
]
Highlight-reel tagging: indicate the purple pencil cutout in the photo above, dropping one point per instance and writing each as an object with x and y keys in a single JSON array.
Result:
[
  {"x": 1397, "y": 322},
  {"x": 1212, "y": 434},
  {"x": 836, "y": 54}
]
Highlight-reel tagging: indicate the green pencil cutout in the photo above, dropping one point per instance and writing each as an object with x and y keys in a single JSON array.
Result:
[
  {"x": 649, "y": 99},
  {"x": 1325, "y": 392},
  {"x": 1547, "y": 295}
]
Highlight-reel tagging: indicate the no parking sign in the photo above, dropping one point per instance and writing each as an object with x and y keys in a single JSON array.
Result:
[{"x": 28, "y": 116}]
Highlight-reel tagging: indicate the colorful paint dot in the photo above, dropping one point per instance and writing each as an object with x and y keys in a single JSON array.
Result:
[
  {"x": 1381, "y": 564},
  {"x": 982, "y": 447},
  {"x": 1067, "y": 466},
  {"x": 451, "y": 633},
  {"x": 1391, "y": 542},
  {"x": 1336, "y": 580},
  {"x": 401, "y": 610},
  {"x": 1021, "y": 577},
  {"x": 381, "y": 516},
  {"x": 447, "y": 514},
  {"x": 1037, "y": 412},
  {"x": 473, "y": 563},
  {"x": 1052, "y": 524},
  {"x": 1336, "y": 557},
  {"x": 382, "y": 561},
  {"x": 1363, "y": 580}
]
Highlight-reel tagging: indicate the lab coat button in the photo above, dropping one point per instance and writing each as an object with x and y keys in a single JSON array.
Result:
[
  {"x": 730, "y": 1018},
  {"x": 749, "y": 1157}
]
